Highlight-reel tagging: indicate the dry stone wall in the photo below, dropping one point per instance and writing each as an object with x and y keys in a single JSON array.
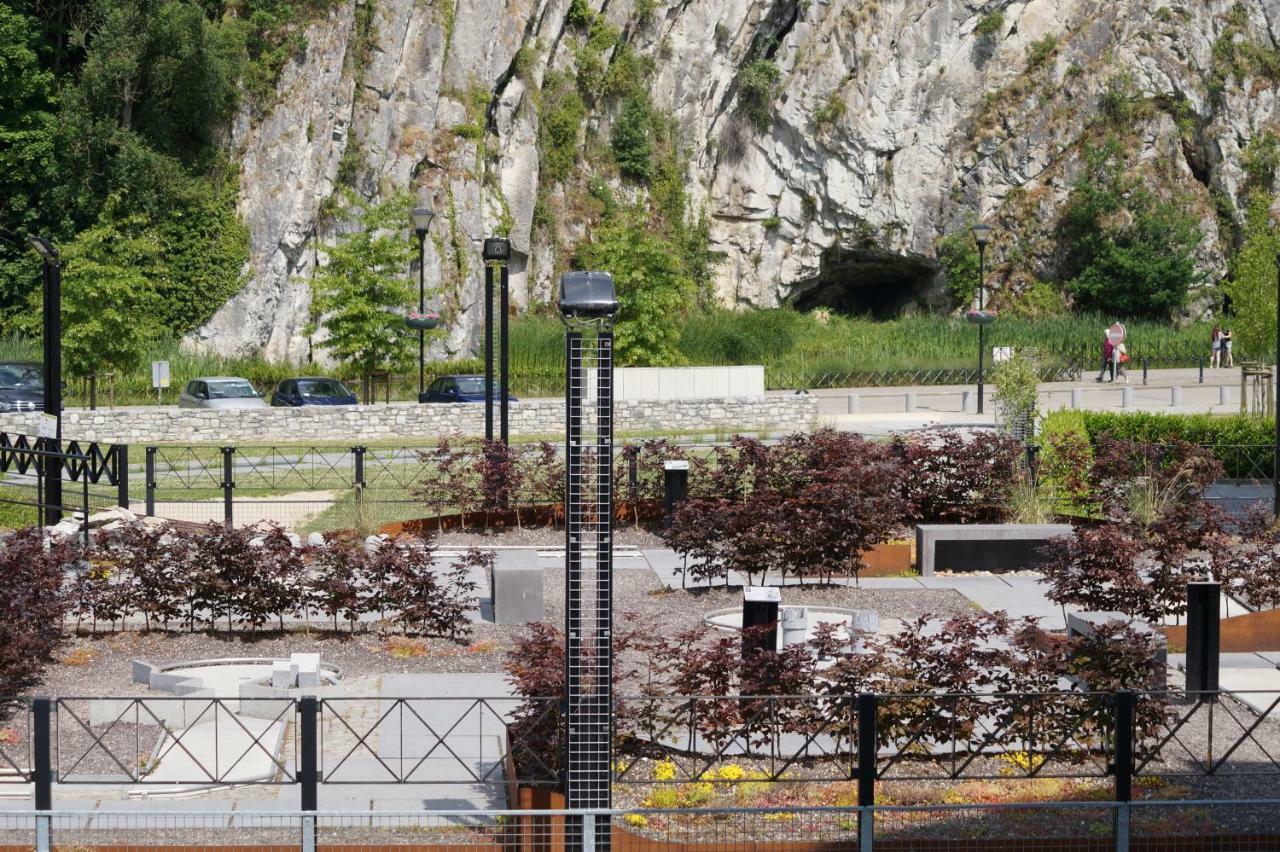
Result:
[{"x": 156, "y": 425}]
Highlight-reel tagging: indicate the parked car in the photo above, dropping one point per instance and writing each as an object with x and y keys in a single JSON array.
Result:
[
  {"x": 294, "y": 393},
  {"x": 219, "y": 392},
  {"x": 21, "y": 386},
  {"x": 460, "y": 389}
]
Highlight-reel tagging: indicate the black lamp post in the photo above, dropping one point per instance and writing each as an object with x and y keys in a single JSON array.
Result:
[
  {"x": 422, "y": 217},
  {"x": 981, "y": 236},
  {"x": 52, "y": 367}
]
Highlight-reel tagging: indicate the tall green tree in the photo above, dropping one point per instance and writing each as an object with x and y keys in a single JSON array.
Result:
[
  {"x": 28, "y": 154},
  {"x": 364, "y": 281},
  {"x": 1253, "y": 281},
  {"x": 653, "y": 289},
  {"x": 111, "y": 271},
  {"x": 1126, "y": 251}
]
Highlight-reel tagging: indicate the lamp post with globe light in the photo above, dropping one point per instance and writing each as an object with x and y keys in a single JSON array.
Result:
[{"x": 422, "y": 217}]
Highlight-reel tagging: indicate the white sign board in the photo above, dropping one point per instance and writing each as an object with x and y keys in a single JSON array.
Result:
[
  {"x": 159, "y": 374},
  {"x": 1001, "y": 353},
  {"x": 47, "y": 426}
]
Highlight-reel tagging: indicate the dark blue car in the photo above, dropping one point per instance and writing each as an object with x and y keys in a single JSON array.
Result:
[
  {"x": 295, "y": 393},
  {"x": 21, "y": 386},
  {"x": 460, "y": 389}
]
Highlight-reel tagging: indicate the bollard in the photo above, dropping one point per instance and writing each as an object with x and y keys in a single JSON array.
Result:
[
  {"x": 1202, "y": 637},
  {"x": 675, "y": 488},
  {"x": 852, "y": 403},
  {"x": 1224, "y": 394},
  {"x": 1201, "y": 369},
  {"x": 1077, "y": 398},
  {"x": 910, "y": 398},
  {"x": 1145, "y": 363},
  {"x": 1126, "y": 397},
  {"x": 760, "y": 611},
  {"x": 867, "y": 753},
  {"x": 1175, "y": 396},
  {"x": 966, "y": 401}
]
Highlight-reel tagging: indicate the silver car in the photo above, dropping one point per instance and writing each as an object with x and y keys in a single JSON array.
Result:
[{"x": 219, "y": 392}]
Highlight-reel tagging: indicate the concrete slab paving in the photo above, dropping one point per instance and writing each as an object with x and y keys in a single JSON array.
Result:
[{"x": 1256, "y": 687}]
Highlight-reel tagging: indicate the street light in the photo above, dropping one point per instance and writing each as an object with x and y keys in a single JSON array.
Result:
[
  {"x": 52, "y": 369},
  {"x": 422, "y": 217},
  {"x": 981, "y": 236}
]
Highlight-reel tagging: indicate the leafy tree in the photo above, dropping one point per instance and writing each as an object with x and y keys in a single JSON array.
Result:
[
  {"x": 111, "y": 271},
  {"x": 1253, "y": 280},
  {"x": 958, "y": 255},
  {"x": 1127, "y": 252},
  {"x": 364, "y": 281},
  {"x": 653, "y": 289},
  {"x": 27, "y": 151},
  {"x": 632, "y": 138}
]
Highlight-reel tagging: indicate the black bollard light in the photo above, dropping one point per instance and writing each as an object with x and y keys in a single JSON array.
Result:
[
  {"x": 675, "y": 488},
  {"x": 1202, "y": 636},
  {"x": 760, "y": 618}
]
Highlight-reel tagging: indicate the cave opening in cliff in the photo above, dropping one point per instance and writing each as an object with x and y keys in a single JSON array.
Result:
[{"x": 868, "y": 282}]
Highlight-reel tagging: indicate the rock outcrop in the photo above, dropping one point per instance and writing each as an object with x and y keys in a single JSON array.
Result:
[{"x": 895, "y": 121}]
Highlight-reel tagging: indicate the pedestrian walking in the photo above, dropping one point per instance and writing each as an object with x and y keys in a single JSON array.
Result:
[
  {"x": 1120, "y": 357},
  {"x": 1227, "y": 360},
  {"x": 1108, "y": 349},
  {"x": 1215, "y": 347}
]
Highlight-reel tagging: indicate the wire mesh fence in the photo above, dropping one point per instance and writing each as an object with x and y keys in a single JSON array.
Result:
[{"x": 1194, "y": 826}]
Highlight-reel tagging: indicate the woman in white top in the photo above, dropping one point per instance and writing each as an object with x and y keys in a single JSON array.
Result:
[
  {"x": 1215, "y": 347},
  {"x": 1120, "y": 355}
]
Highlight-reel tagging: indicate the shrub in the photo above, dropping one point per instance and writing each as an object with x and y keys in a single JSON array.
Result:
[
  {"x": 830, "y": 111},
  {"x": 32, "y": 606},
  {"x": 1040, "y": 52},
  {"x": 948, "y": 479},
  {"x": 990, "y": 25},
  {"x": 632, "y": 138},
  {"x": 758, "y": 84}
]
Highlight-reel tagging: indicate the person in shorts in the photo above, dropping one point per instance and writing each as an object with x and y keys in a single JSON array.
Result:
[{"x": 1226, "y": 349}]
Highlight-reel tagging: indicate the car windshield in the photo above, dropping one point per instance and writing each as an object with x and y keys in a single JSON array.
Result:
[
  {"x": 21, "y": 376},
  {"x": 231, "y": 390},
  {"x": 470, "y": 384},
  {"x": 323, "y": 387}
]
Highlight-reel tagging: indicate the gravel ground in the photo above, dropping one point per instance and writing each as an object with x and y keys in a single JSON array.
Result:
[{"x": 624, "y": 535}]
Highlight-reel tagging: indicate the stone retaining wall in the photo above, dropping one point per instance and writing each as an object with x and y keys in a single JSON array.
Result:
[{"x": 172, "y": 425}]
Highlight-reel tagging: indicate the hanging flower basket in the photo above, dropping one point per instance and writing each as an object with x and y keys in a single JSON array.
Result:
[
  {"x": 980, "y": 317},
  {"x": 422, "y": 322}
]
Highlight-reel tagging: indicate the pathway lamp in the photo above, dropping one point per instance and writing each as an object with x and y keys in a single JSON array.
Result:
[
  {"x": 422, "y": 217},
  {"x": 981, "y": 236}
]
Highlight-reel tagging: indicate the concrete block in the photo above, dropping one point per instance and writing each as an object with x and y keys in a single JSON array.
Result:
[
  {"x": 283, "y": 675},
  {"x": 167, "y": 682},
  {"x": 1224, "y": 394},
  {"x": 143, "y": 671},
  {"x": 966, "y": 401},
  {"x": 1126, "y": 397},
  {"x": 1086, "y": 624},
  {"x": 308, "y": 669},
  {"x": 1077, "y": 398},
  {"x": 515, "y": 585},
  {"x": 852, "y": 404},
  {"x": 1175, "y": 397},
  {"x": 260, "y": 701},
  {"x": 983, "y": 547},
  {"x": 795, "y": 624},
  {"x": 909, "y": 401}
]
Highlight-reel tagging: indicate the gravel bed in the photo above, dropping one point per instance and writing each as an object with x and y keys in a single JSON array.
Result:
[{"x": 624, "y": 535}]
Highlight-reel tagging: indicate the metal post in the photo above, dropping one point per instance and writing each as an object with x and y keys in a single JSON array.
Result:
[
  {"x": 1275, "y": 376},
  {"x": 1125, "y": 701},
  {"x": 308, "y": 772},
  {"x": 504, "y": 381},
  {"x": 866, "y": 770},
  {"x": 1201, "y": 370},
  {"x": 422, "y": 308},
  {"x": 52, "y": 369},
  {"x": 357, "y": 455},
  {"x": 42, "y": 768},
  {"x": 982, "y": 338},
  {"x": 488, "y": 352},
  {"x": 1145, "y": 363},
  {"x": 1202, "y": 636},
  {"x": 151, "y": 481},
  {"x": 228, "y": 483},
  {"x": 122, "y": 475}
]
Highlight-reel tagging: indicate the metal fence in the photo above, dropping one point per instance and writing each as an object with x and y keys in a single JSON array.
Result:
[
  {"x": 1186, "y": 826},
  {"x": 91, "y": 477}
]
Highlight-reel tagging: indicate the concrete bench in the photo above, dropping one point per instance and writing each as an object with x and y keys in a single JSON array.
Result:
[
  {"x": 983, "y": 547},
  {"x": 515, "y": 586}
]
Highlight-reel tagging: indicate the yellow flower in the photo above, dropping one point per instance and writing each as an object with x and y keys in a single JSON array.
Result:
[
  {"x": 664, "y": 770},
  {"x": 637, "y": 820}
]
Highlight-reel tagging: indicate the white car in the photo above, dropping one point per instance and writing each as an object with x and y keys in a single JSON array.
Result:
[{"x": 219, "y": 392}]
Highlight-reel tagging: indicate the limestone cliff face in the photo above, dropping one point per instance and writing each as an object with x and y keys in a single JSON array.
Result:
[{"x": 942, "y": 119}]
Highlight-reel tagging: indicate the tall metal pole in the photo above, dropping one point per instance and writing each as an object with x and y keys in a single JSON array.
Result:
[
  {"x": 422, "y": 309},
  {"x": 488, "y": 352},
  {"x": 504, "y": 359},
  {"x": 1275, "y": 370},
  {"x": 52, "y": 371},
  {"x": 982, "y": 337}
]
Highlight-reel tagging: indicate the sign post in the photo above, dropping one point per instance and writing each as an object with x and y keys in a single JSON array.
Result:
[{"x": 159, "y": 379}]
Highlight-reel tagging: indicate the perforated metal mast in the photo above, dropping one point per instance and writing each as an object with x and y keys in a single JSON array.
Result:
[{"x": 587, "y": 304}]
